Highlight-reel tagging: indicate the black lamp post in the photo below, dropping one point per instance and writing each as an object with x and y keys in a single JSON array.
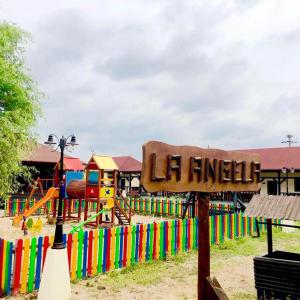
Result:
[
  {"x": 63, "y": 143},
  {"x": 286, "y": 171}
]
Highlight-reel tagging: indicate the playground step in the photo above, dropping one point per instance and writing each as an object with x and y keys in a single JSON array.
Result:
[{"x": 122, "y": 219}]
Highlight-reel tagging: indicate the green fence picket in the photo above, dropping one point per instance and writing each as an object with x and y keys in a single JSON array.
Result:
[
  {"x": 100, "y": 251},
  {"x": 32, "y": 264},
  {"x": 79, "y": 253}
]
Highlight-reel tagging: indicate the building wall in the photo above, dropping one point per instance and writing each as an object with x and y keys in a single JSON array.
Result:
[{"x": 291, "y": 185}]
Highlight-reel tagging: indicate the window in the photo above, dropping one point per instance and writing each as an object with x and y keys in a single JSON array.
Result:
[
  {"x": 297, "y": 184},
  {"x": 93, "y": 177}
]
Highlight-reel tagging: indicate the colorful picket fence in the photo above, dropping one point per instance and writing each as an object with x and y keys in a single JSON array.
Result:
[
  {"x": 157, "y": 206},
  {"x": 14, "y": 207},
  {"x": 101, "y": 250},
  {"x": 170, "y": 207}
]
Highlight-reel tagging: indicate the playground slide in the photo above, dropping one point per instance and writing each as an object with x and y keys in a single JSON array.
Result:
[
  {"x": 51, "y": 194},
  {"x": 109, "y": 205}
]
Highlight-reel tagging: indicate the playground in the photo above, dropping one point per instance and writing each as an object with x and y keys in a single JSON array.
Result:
[
  {"x": 105, "y": 232},
  {"x": 9, "y": 232},
  {"x": 121, "y": 247}
]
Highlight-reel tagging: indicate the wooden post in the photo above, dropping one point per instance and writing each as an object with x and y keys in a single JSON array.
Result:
[
  {"x": 203, "y": 245},
  {"x": 269, "y": 233},
  {"x": 257, "y": 227},
  {"x": 278, "y": 184},
  {"x": 130, "y": 178}
]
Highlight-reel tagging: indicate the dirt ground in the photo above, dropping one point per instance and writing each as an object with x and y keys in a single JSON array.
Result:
[
  {"x": 9, "y": 232},
  {"x": 176, "y": 278}
]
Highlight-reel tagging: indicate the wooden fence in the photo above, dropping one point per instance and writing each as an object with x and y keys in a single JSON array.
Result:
[
  {"x": 149, "y": 206},
  {"x": 102, "y": 250},
  {"x": 171, "y": 207}
]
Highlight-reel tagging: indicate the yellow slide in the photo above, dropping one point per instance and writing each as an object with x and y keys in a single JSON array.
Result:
[{"x": 52, "y": 193}]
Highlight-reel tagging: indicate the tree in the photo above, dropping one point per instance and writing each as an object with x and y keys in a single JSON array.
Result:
[{"x": 19, "y": 107}]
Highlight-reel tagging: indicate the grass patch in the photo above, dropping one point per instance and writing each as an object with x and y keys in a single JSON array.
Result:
[
  {"x": 243, "y": 296},
  {"x": 148, "y": 273},
  {"x": 182, "y": 268}
]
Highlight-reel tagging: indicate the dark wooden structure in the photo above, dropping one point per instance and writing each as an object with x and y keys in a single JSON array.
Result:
[
  {"x": 277, "y": 274},
  {"x": 129, "y": 169}
]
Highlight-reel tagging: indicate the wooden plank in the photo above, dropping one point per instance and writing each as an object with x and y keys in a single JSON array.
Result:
[
  {"x": 186, "y": 168},
  {"x": 116, "y": 258},
  {"x": 108, "y": 262},
  {"x": 154, "y": 254},
  {"x": 124, "y": 262},
  {"x": 38, "y": 263},
  {"x": 9, "y": 269},
  {"x": 147, "y": 242},
  {"x": 85, "y": 254},
  {"x": 17, "y": 268},
  {"x": 133, "y": 238},
  {"x": 113, "y": 248},
  {"x": 161, "y": 240},
  {"x": 74, "y": 257},
  {"x": 5, "y": 266},
  {"x": 129, "y": 244},
  {"x": 204, "y": 245},
  {"x": 95, "y": 252},
  {"x": 169, "y": 237},
  {"x": 25, "y": 263},
  {"x": 69, "y": 250},
  {"x": 137, "y": 234},
  {"x": 151, "y": 241},
  {"x": 32, "y": 264},
  {"x": 121, "y": 251},
  {"x": 79, "y": 254},
  {"x": 140, "y": 245},
  {"x": 2, "y": 245},
  {"x": 100, "y": 250}
]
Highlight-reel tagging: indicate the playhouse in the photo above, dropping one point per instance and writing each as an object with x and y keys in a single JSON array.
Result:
[
  {"x": 101, "y": 178},
  {"x": 90, "y": 188}
]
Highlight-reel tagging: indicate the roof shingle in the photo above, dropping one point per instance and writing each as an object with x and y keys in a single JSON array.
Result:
[
  {"x": 277, "y": 158},
  {"x": 274, "y": 207},
  {"x": 128, "y": 164}
]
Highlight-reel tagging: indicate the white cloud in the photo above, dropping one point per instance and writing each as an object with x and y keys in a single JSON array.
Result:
[{"x": 218, "y": 73}]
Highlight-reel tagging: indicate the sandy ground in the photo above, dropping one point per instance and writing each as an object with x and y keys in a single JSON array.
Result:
[
  {"x": 175, "y": 280},
  {"x": 9, "y": 232},
  {"x": 176, "y": 277}
]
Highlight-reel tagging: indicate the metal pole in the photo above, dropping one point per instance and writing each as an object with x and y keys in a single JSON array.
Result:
[
  {"x": 278, "y": 184},
  {"x": 58, "y": 237},
  {"x": 203, "y": 245},
  {"x": 269, "y": 233},
  {"x": 287, "y": 182}
]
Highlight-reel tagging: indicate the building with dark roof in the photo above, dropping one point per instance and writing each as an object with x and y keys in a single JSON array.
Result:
[
  {"x": 44, "y": 161},
  {"x": 280, "y": 169},
  {"x": 129, "y": 174}
]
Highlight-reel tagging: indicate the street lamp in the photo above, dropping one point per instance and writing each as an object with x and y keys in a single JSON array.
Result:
[
  {"x": 286, "y": 171},
  {"x": 55, "y": 282},
  {"x": 62, "y": 143}
]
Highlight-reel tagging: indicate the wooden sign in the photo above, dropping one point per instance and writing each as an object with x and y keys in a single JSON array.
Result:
[{"x": 186, "y": 168}]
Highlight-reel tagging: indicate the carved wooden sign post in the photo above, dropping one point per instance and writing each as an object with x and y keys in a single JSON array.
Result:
[{"x": 192, "y": 169}]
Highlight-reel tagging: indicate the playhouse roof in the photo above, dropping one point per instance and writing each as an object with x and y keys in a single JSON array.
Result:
[
  {"x": 72, "y": 163},
  {"x": 274, "y": 207},
  {"x": 277, "y": 158},
  {"x": 128, "y": 164},
  {"x": 105, "y": 162}
]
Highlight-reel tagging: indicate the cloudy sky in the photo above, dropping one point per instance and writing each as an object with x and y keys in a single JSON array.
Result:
[{"x": 120, "y": 73}]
